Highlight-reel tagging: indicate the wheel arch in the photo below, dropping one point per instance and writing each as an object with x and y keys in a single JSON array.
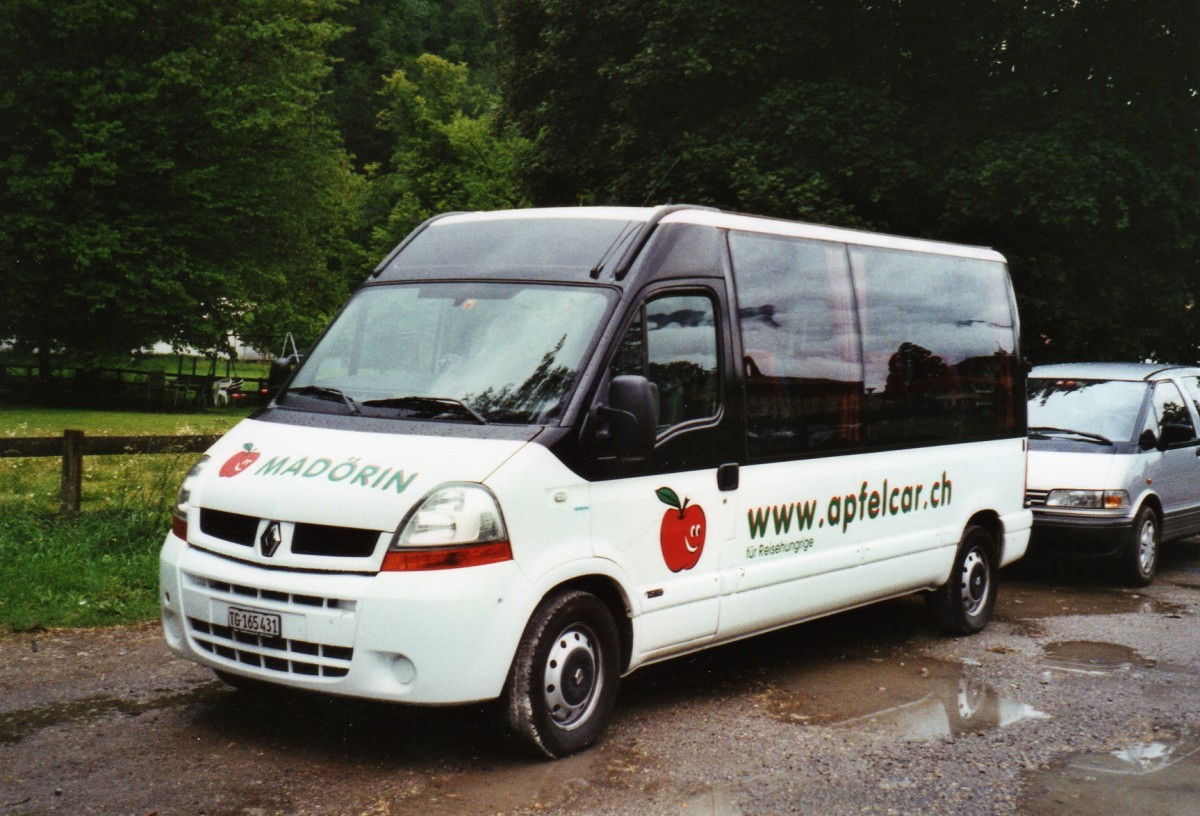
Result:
[
  {"x": 1151, "y": 500},
  {"x": 990, "y": 521},
  {"x": 613, "y": 597}
]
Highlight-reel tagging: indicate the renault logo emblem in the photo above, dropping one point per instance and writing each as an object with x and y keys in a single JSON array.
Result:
[{"x": 271, "y": 538}]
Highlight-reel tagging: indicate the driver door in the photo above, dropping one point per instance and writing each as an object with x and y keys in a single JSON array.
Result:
[{"x": 664, "y": 519}]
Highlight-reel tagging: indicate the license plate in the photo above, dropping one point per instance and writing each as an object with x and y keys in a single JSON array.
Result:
[{"x": 254, "y": 622}]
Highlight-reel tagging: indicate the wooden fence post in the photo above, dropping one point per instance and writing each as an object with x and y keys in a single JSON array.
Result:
[{"x": 72, "y": 473}]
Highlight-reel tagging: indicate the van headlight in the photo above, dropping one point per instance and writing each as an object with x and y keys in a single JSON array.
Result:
[
  {"x": 1088, "y": 499},
  {"x": 457, "y": 525},
  {"x": 183, "y": 499}
]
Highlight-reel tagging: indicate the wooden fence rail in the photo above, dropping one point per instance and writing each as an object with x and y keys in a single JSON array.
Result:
[{"x": 73, "y": 446}]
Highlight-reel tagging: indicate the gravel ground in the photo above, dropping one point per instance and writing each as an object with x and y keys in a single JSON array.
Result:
[{"x": 1081, "y": 697}]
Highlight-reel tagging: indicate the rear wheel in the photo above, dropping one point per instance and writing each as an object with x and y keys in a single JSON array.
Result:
[
  {"x": 1139, "y": 559},
  {"x": 963, "y": 606},
  {"x": 563, "y": 681}
]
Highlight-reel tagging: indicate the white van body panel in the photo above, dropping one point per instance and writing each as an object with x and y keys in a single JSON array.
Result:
[
  {"x": 391, "y": 622},
  {"x": 325, "y": 476},
  {"x": 1084, "y": 471},
  {"x": 681, "y": 531},
  {"x": 811, "y": 540}
]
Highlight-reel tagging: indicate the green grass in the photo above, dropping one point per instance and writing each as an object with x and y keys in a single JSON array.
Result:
[
  {"x": 17, "y": 421},
  {"x": 101, "y": 568}
]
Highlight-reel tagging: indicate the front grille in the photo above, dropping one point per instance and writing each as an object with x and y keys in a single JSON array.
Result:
[
  {"x": 1036, "y": 498},
  {"x": 307, "y": 539},
  {"x": 346, "y": 542},
  {"x": 231, "y": 527},
  {"x": 275, "y": 654},
  {"x": 241, "y": 591}
]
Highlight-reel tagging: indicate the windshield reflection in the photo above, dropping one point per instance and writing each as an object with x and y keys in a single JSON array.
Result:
[
  {"x": 465, "y": 352},
  {"x": 1102, "y": 408}
]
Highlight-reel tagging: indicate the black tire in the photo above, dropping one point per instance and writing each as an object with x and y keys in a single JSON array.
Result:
[
  {"x": 963, "y": 606},
  {"x": 563, "y": 681},
  {"x": 1139, "y": 558}
]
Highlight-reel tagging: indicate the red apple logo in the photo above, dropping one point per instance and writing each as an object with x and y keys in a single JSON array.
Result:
[
  {"x": 239, "y": 461},
  {"x": 682, "y": 533}
]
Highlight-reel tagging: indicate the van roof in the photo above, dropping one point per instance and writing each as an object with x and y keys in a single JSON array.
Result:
[
  {"x": 1110, "y": 371},
  {"x": 599, "y": 246},
  {"x": 708, "y": 216}
]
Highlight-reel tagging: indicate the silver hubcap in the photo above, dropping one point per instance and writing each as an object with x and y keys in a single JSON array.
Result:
[
  {"x": 572, "y": 677},
  {"x": 975, "y": 583},
  {"x": 1147, "y": 545}
]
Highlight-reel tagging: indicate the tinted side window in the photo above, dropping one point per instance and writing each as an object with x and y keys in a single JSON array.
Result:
[
  {"x": 804, "y": 382},
  {"x": 939, "y": 348},
  {"x": 1192, "y": 384},
  {"x": 673, "y": 343},
  {"x": 1169, "y": 407}
]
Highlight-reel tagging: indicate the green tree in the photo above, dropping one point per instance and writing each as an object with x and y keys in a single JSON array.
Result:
[
  {"x": 387, "y": 35},
  {"x": 448, "y": 154},
  {"x": 1064, "y": 133},
  {"x": 167, "y": 172}
]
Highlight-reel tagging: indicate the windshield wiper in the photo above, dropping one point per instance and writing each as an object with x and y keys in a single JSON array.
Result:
[
  {"x": 1042, "y": 432},
  {"x": 325, "y": 392},
  {"x": 441, "y": 404}
]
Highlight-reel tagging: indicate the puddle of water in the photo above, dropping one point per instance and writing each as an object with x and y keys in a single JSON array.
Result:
[
  {"x": 1022, "y": 602},
  {"x": 1089, "y": 657},
  {"x": 904, "y": 699},
  {"x": 607, "y": 772},
  {"x": 1157, "y": 776},
  {"x": 18, "y": 724}
]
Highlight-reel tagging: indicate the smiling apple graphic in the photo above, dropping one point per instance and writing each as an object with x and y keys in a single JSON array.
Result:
[
  {"x": 239, "y": 461},
  {"x": 682, "y": 532}
]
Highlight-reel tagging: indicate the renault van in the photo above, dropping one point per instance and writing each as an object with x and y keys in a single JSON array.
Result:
[
  {"x": 540, "y": 449},
  {"x": 1114, "y": 461}
]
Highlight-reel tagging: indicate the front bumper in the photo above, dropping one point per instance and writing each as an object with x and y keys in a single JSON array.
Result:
[
  {"x": 439, "y": 637},
  {"x": 1078, "y": 533}
]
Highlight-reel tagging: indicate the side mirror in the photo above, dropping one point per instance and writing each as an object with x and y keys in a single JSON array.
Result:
[
  {"x": 632, "y": 414},
  {"x": 1148, "y": 439},
  {"x": 1174, "y": 433}
]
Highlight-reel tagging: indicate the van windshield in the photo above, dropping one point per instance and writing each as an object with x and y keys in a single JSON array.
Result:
[
  {"x": 461, "y": 352},
  {"x": 1105, "y": 410}
]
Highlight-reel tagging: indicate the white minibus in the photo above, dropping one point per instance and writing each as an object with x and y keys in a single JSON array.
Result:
[{"x": 540, "y": 449}]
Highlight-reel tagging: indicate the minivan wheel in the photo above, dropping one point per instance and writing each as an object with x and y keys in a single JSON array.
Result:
[
  {"x": 563, "y": 680},
  {"x": 1140, "y": 556},
  {"x": 963, "y": 606}
]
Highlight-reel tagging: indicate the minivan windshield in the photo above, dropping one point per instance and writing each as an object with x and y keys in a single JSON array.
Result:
[
  {"x": 454, "y": 351},
  {"x": 1103, "y": 410}
]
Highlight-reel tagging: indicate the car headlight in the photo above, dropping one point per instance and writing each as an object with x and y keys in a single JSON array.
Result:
[
  {"x": 457, "y": 525},
  {"x": 1088, "y": 499},
  {"x": 183, "y": 499}
]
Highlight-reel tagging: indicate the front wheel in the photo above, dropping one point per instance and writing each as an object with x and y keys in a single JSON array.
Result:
[
  {"x": 1139, "y": 560},
  {"x": 563, "y": 680},
  {"x": 963, "y": 606}
]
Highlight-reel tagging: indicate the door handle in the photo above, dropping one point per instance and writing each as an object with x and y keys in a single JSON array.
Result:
[{"x": 728, "y": 476}]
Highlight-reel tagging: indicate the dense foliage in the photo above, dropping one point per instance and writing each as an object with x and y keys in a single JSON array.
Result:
[
  {"x": 177, "y": 170},
  {"x": 1062, "y": 132},
  {"x": 167, "y": 171}
]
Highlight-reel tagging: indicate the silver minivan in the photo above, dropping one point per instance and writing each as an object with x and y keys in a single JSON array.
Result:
[{"x": 1114, "y": 461}]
